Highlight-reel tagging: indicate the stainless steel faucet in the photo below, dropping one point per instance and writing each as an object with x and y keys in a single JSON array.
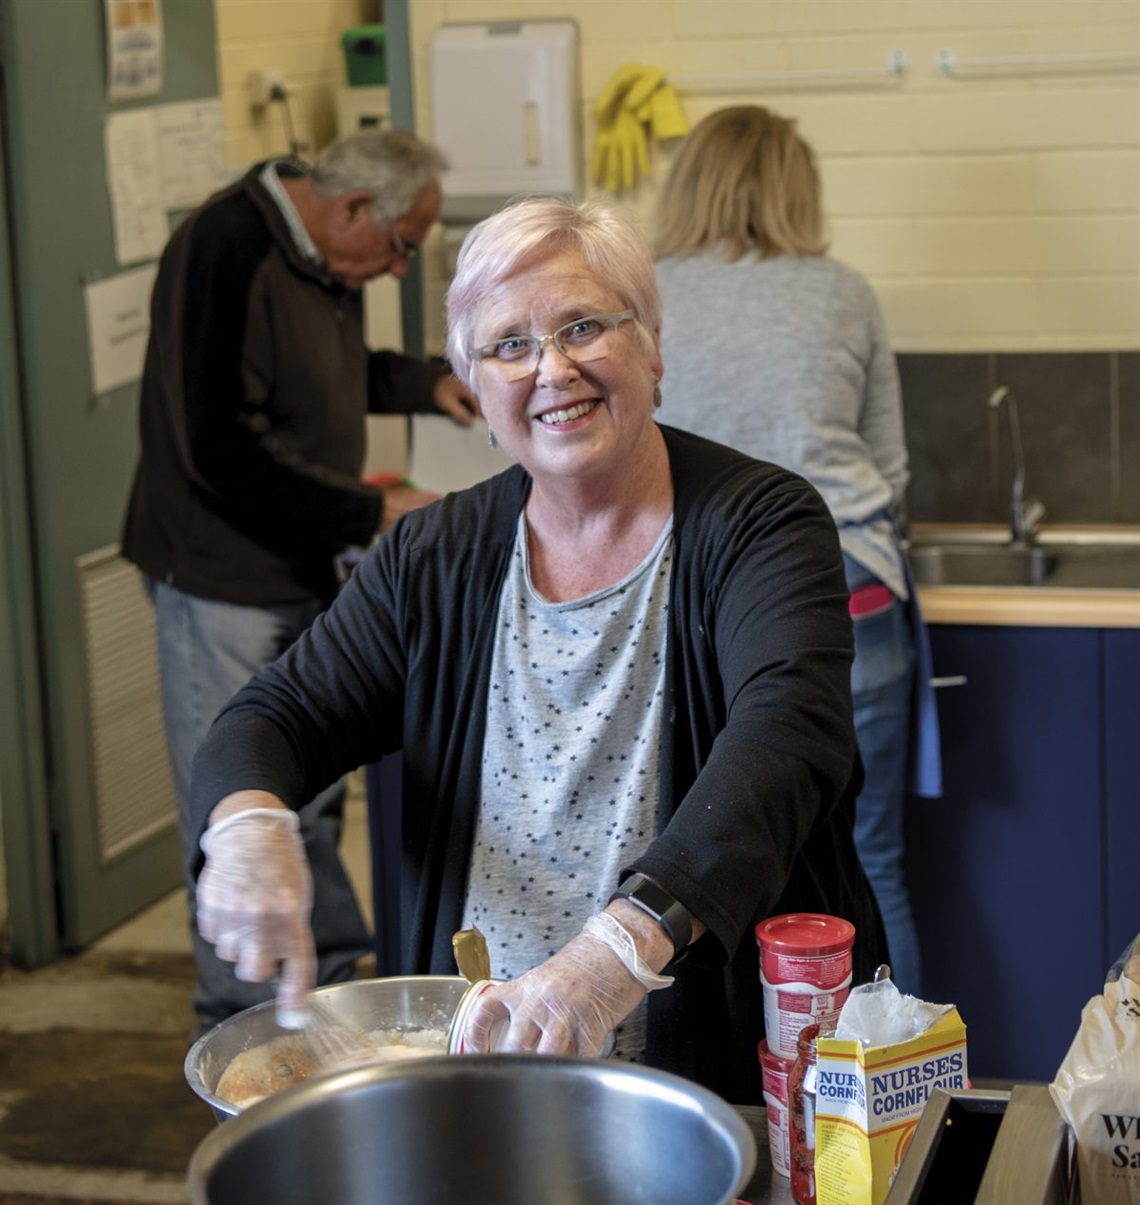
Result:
[{"x": 1024, "y": 513}]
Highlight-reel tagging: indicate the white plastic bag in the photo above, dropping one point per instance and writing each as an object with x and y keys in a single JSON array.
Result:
[
  {"x": 878, "y": 1014},
  {"x": 1097, "y": 1089}
]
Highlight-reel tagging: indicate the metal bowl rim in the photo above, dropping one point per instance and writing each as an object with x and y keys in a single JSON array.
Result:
[
  {"x": 194, "y": 1055},
  {"x": 220, "y": 1141}
]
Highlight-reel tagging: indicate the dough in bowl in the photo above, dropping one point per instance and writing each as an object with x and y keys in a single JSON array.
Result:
[
  {"x": 287, "y": 1060},
  {"x": 271, "y": 1067}
]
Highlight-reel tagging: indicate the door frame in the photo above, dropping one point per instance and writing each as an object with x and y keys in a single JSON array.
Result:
[{"x": 27, "y": 898}]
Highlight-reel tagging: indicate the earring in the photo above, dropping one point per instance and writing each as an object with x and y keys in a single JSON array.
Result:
[
  {"x": 492, "y": 442},
  {"x": 656, "y": 393}
]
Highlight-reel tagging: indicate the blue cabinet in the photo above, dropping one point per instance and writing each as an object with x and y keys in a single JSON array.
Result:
[
  {"x": 1122, "y": 787},
  {"x": 1018, "y": 874}
]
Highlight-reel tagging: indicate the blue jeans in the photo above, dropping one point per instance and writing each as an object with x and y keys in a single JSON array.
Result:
[
  {"x": 882, "y": 682},
  {"x": 207, "y": 651}
]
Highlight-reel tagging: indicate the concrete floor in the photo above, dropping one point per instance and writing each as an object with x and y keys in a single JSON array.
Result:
[{"x": 93, "y": 1103}]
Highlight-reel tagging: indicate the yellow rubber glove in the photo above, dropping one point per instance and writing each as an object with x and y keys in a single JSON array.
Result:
[
  {"x": 642, "y": 88},
  {"x": 629, "y": 134},
  {"x": 604, "y": 151},
  {"x": 620, "y": 152},
  {"x": 666, "y": 117},
  {"x": 636, "y": 104},
  {"x": 620, "y": 149},
  {"x": 612, "y": 96},
  {"x": 613, "y": 159}
]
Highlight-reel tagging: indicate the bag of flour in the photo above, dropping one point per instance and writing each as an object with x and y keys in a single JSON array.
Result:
[{"x": 1097, "y": 1089}]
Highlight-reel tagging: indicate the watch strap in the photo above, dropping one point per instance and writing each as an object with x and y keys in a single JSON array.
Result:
[{"x": 656, "y": 902}]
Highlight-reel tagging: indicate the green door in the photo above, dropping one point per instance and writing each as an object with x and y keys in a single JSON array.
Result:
[{"x": 89, "y": 827}]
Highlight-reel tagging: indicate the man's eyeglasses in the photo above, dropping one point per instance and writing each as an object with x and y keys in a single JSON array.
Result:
[
  {"x": 583, "y": 340},
  {"x": 400, "y": 247}
]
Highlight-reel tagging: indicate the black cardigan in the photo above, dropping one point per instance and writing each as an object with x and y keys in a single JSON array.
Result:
[{"x": 759, "y": 763}]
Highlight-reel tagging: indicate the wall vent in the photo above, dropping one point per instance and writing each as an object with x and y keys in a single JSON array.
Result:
[{"x": 134, "y": 793}]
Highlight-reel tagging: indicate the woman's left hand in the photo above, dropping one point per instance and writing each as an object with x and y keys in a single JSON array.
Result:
[{"x": 567, "y": 1005}]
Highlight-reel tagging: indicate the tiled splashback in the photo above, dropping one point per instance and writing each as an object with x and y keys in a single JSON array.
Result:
[{"x": 1080, "y": 428}]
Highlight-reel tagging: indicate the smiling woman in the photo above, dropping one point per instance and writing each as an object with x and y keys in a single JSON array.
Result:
[
  {"x": 572, "y": 412},
  {"x": 554, "y": 321},
  {"x": 619, "y": 674}
]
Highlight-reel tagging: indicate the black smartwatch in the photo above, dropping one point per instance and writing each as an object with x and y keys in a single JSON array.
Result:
[{"x": 656, "y": 902}]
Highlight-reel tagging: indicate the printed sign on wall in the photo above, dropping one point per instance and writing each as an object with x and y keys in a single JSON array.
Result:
[{"x": 134, "y": 48}]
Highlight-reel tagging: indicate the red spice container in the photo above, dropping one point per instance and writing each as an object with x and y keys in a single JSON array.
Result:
[
  {"x": 801, "y": 1116},
  {"x": 805, "y": 971}
]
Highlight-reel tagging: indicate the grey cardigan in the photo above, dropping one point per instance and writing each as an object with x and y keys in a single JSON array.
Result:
[{"x": 759, "y": 763}]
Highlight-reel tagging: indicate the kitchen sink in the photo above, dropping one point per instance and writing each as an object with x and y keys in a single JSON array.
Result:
[
  {"x": 1057, "y": 563},
  {"x": 962, "y": 565}
]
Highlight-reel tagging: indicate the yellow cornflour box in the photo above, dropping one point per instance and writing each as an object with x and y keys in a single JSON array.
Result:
[{"x": 868, "y": 1103}]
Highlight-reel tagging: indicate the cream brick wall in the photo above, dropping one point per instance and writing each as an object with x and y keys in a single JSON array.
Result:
[
  {"x": 996, "y": 211},
  {"x": 302, "y": 39}
]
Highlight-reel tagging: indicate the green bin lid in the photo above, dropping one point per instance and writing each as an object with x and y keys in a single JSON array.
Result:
[{"x": 363, "y": 37}]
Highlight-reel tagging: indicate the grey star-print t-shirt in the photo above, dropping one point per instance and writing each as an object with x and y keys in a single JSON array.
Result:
[{"x": 570, "y": 761}]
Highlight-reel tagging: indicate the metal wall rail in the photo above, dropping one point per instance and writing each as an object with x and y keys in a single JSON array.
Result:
[
  {"x": 950, "y": 64},
  {"x": 895, "y": 68}
]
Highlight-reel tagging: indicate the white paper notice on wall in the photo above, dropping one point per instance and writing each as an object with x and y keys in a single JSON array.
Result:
[
  {"x": 135, "y": 183},
  {"x": 191, "y": 152},
  {"x": 160, "y": 159},
  {"x": 505, "y": 111},
  {"x": 118, "y": 324}
]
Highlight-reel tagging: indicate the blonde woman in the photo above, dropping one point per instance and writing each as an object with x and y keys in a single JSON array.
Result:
[{"x": 780, "y": 351}]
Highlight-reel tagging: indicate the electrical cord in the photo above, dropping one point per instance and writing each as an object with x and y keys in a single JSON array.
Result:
[{"x": 280, "y": 96}]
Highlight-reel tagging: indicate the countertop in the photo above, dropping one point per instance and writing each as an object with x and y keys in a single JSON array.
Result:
[
  {"x": 1030, "y": 607},
  {"x": 766, "y": 1186},
  {"x": 1028, "y": 1154}
]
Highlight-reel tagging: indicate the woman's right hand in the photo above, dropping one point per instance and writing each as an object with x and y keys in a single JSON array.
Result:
[{"x": 255, "y": 896}]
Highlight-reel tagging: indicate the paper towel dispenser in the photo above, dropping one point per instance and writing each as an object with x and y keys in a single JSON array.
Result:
[{"x": 505, "y": 112}]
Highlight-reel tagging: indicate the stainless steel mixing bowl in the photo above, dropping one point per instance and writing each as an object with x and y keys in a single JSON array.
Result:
[
  {"x": 400, "y": 1002},
  {"x": 481, "y": 1130}
]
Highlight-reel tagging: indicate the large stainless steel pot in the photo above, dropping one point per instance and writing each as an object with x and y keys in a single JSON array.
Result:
[
  {"x": 401, "y": 1002},
  {"x": 477, "y": 1130}
]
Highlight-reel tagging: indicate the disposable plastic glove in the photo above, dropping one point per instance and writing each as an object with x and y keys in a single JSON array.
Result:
[
  {"x": 254, "y": 899},
  {"x": 567, "y": 1005}
]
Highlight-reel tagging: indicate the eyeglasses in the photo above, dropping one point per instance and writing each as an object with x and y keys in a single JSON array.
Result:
[
  {"x": 583, "y": 341},
  {"x": 402, "y": 249}
]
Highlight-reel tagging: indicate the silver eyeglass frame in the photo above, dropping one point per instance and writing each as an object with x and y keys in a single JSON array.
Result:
[
  {"x": 528, "y": 364},
  {"x": 400, "y": 247}
]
